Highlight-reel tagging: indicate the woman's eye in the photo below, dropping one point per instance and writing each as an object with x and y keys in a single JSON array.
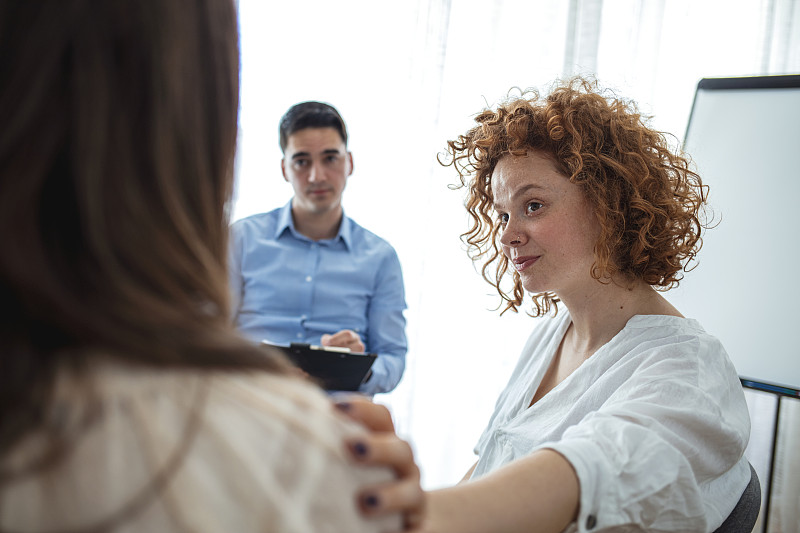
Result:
[
  {"x": 533, "y": 206},
  {"x": 503, "y": 218}
]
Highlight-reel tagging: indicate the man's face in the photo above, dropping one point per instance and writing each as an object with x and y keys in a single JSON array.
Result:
[{"x": 317, "y": 164}]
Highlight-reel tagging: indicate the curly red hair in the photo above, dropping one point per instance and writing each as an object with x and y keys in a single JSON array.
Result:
[{"x": 648, "y": 202}]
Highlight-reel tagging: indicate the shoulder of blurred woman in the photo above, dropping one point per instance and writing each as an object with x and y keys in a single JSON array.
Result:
[{"x": 175, "y": 449}]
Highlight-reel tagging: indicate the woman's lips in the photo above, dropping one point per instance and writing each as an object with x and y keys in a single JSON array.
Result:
[{"x": 521, "y": 263}]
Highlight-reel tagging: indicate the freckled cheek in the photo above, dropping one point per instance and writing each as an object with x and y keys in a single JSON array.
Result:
[
  {"x": 568, "y": 246},
  {"x": 553, "y": 237}
]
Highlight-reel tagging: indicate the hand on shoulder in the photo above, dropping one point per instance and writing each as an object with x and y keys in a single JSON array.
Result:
[{"x": 382, "y": 447}]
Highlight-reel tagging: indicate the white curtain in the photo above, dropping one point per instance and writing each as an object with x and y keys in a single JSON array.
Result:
[{"x": 407, "y": 76}]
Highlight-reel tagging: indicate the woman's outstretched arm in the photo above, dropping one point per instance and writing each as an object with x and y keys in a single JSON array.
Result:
[{"x": 537, "y": 493}]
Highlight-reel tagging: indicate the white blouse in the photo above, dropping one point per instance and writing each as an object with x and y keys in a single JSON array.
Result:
[
  {"x": 655, "y": 425},
  {"x": 238, "y": 452}
]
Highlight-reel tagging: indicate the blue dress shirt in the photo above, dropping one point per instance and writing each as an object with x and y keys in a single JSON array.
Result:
[{"x": 288, "y": 288}]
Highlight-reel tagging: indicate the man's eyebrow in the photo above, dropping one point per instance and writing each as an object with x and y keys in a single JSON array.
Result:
[{"x": 329, "y": 151}]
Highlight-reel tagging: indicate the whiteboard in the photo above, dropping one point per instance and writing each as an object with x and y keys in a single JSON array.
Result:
[{"x": 744, "y": 137}]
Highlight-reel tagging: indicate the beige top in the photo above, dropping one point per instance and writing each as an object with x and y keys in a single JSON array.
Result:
[{"x": 239, "y": 452}]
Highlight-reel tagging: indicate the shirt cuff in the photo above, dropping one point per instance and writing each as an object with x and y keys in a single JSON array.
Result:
[{"x": 596, "y": 510}]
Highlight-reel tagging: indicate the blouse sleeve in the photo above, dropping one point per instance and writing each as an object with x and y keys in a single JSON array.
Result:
[{"x": 666, "y": 450}]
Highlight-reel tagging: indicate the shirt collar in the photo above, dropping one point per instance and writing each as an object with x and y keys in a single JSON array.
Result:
[{"x": 285, "y": 222}]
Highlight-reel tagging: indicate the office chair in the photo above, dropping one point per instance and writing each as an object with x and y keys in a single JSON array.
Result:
[{"x": 744, "y": 515}]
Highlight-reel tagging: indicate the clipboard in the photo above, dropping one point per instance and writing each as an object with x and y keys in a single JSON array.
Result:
[{"x": 332, "y": 368}]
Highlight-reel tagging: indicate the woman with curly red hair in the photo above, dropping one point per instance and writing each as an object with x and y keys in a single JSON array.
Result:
[{"x": 621, "y": 414}]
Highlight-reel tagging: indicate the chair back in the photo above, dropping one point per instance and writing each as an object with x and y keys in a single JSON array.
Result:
[{"x": 744, "y": 515}]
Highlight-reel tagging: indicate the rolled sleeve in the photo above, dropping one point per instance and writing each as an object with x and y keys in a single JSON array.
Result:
[
  {"x": 653, "y": 486},
  {"x": 648, "y": 462}
]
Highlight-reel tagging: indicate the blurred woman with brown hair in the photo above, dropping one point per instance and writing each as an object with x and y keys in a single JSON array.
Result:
[{"x": 127, "y": 401}]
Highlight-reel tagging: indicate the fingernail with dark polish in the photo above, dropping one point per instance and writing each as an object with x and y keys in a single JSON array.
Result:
[
  {"x": 371, "y": 501},
  {"x": 359, "y": 449},
  {"x": 343, "y": 406}
]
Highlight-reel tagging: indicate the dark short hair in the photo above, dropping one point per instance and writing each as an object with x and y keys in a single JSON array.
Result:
[{"x": 310, "y": 115}]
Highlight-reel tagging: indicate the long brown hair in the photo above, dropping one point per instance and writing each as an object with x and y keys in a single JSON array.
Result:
[
  {"x": 118, "y": 135},
  {"x": 648, "y": 202}
]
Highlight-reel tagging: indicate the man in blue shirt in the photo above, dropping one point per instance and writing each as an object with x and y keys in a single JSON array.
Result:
[{"x": 305, "y": 272}]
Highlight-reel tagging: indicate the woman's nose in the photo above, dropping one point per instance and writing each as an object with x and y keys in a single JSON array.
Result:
[{"x": 511, "y": 236}]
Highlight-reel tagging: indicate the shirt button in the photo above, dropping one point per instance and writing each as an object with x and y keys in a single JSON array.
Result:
[
  {"x": 591, "y": 521},
  {"x": 308, "y": 278},
  {"x": 299, "y": 335}
]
